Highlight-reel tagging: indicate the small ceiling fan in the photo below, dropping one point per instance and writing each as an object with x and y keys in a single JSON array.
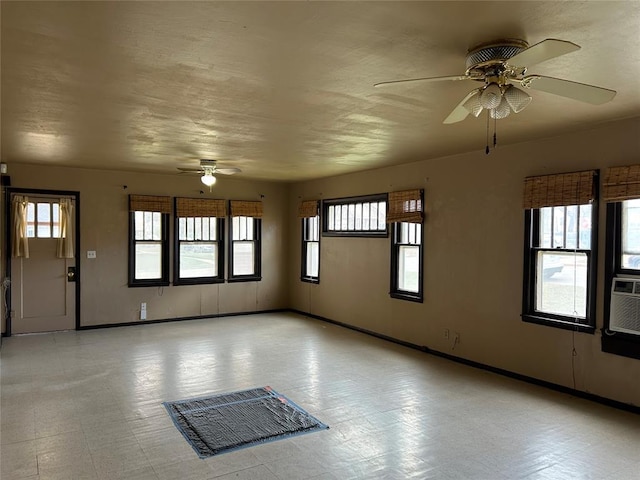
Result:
[
  {"x": 500, "y": 66},
  {"x": 208, "y": 169}
]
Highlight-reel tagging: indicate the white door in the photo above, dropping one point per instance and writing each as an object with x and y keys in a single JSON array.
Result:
[{"x": 42, "y": 290}]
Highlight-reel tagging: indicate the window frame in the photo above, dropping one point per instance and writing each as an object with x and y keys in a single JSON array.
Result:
[
  {"x": 531, "y": 249},
  {"x": 163, "y": 281},
  {"x": 219, "y": 278},
  {"x": 304, "y": 249},
  {"x": 380, "y": 197},
  {"x": 395, "y": 291},
  {"x": 256, "y": 276},
  {"x": 618, "y": 343}
]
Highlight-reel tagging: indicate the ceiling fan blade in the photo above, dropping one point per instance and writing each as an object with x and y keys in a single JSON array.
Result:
[
  {"x": 543, "y": 51},
  {"x": 228, "y": 171},
  {"x": 566, "y": 88},
  {"x": 460, "y": 113},
  {"x": 425, "y": 79},
  {"x": 190, "y": 170}
]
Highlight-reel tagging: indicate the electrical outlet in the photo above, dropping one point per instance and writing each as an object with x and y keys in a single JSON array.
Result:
[
  {"x": 446, "y": 333},
  {"x": 143, "y": 311}
]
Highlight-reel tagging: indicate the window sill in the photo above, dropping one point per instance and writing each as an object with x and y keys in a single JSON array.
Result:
[
  {"x": 244, "y": 279},
  {"x": 152, "y": 283},
  {"x": 197, "y": 281},
  {"x": 406, "y": 296},
  {"x": 621, "y": 344},
  {"x": 310, "y": 280},
  {"x": 557, "y": 323}
]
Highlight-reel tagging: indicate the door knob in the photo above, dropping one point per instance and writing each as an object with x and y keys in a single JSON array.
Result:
[{"x": 71, "y": 274}]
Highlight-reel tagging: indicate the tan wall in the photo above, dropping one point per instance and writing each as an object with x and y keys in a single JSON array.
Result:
[
  {"x": 105, "y": 297},
  {"x": 473, "y": 262}
]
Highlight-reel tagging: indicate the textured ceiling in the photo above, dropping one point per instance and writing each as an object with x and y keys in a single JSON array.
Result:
[{"x": 284, "y": 91}]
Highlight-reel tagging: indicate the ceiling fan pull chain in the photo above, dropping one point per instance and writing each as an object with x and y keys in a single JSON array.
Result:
[
  {"x": 495, "y": 135},
  {"x": 487, "y": 149}
]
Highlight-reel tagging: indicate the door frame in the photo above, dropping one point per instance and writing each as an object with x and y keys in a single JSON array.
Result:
[{"x": 8, "y": 244}]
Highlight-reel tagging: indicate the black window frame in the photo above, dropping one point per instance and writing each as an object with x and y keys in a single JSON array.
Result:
[
  {"x": 617, "y": 343},
  {"x": 220, "y": 235},
  {"x": 257, "y": 257},
  {"x": 306, "y": 232},
  {"x": 532, "y": 247},
  {"x": 360, "y": 200},
  {"x": 395, "y": 291},
  {"x": 163, "y": 281}
]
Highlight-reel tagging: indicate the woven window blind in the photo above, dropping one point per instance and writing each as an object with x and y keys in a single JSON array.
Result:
[
  {"x": 241, "y": 208},
  {"x": 405, "y": 206},
  {"x": 308, "y": 209},
  {"x": 149, "y": 203},
  {"x": 621, "y": 183},
  {"x": 200, "y": 207},
  {"x": 576, "y": 188}
]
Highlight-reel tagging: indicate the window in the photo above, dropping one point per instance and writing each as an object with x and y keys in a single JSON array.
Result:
[
  {"x": 148, "y": 240},
  {"x": 245, "y": 244},
  {"x": 406, "y": 217},
  {"x": 622, "y": 193},
  {"x": 43, "y": 220},
  {"x": 560, "y": 250},
  {"x": 357, "y": 216},
  {"x": 199, "y": 247},
  {"x": 310, "y": 241}
]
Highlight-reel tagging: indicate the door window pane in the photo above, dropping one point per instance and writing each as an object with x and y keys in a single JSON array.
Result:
[
  {"x": 55, "y": 220},
  {"x": 43, "y": 212},
  {"x": 31, "y": 220}
]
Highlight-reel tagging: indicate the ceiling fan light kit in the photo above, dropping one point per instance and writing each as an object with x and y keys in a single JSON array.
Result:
[
  {"x": 516, "y": 98},
  {"x": 208, "y": 179},
  {"x": 501, "y": 111},
  {"x": 473, "y": 105},
  {"x": 491, "y": 96}
]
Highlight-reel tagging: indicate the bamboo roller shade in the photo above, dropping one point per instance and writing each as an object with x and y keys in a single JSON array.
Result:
[
  {"x": 621, "y": 183},
  {"x": 200, "y": 207},
  {"x": 577, "y": 188},
  {"x": 405, "y": 206},
  {"x": 241, "y": 208},
  {"x": 308, "y": 209},
  {"x": 149, "y": 203}
]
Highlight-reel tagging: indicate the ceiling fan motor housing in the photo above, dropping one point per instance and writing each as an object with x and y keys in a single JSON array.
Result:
[
  {"x": 207, "y": 163},
  {"x": 489, "y": 58}
]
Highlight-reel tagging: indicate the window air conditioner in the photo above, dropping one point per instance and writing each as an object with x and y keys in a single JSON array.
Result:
[{"x": 625, "y": 306}]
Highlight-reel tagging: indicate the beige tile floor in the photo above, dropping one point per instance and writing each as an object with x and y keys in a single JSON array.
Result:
[{"x": 88, "y": 405}]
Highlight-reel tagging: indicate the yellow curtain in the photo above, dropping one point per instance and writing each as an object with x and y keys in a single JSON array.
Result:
[
  {"x": 20, "y": 242},
  {"x": 65, "y": 241}
]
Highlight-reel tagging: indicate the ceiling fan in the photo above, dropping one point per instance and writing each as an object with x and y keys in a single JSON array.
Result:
[
  {"x": 208, "y": 169},
  {"x": 500, "y": 66}
]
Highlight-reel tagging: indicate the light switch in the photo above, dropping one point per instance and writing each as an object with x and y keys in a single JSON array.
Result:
[{"x": 91, "y": 254}]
